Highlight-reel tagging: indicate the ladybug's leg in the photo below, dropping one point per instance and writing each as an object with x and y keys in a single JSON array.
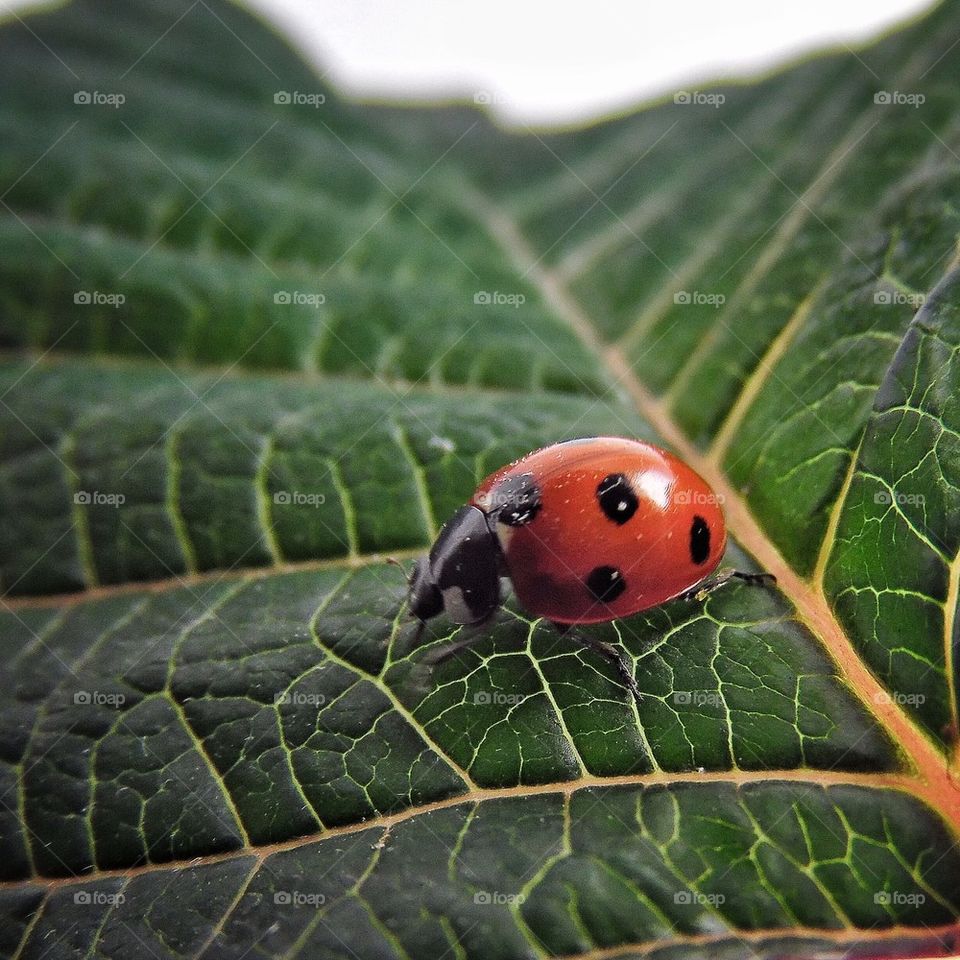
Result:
[
  {"x": 754, "y": 578},
  {"x": 472, "y": 633},
  {"x": 608, "y": 651},
  {"x": 702, "y": 590},
  {"x": 445, "y": 653}
]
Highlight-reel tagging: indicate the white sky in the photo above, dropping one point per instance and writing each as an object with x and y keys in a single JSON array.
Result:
[{"x": 551, "y": 61}]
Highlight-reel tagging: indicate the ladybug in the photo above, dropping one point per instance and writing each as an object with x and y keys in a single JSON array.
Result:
[{"x": 587, "y": 531}]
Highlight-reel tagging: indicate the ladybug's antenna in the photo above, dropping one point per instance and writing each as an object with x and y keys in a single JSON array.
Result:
[{"x": 397, "y": 563}]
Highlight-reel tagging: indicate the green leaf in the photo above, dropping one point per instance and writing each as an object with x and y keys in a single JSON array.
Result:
[
  {"x": 258, "y": 338},
  {"x": 217, "y": 472}
]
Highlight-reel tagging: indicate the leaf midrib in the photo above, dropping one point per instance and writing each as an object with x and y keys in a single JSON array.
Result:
[
  {"x": 64, "y": 601},
  {"x": 934, "y": 782},
  {"x": 232, "y": 372},
  {"x": 803, "y": 775},
  {"x": 839, "y": 935}
]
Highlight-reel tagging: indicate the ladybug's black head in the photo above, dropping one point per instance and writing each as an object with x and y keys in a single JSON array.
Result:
[{"x": 461, "y": 574}]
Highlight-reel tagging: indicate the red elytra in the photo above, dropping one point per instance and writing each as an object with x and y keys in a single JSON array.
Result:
[{"x": 613, "y": 526}]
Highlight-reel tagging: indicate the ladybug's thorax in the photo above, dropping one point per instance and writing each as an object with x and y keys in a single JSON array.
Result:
[{"x": 461, "y": 574}]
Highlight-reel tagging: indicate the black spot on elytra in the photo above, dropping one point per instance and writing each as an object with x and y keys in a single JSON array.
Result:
[
  {"x": 606, "y": 583},
  {"x": 516, "y": 500},
  {"x": 699, "y": 540},
  {"x": 617, "y": 501}
]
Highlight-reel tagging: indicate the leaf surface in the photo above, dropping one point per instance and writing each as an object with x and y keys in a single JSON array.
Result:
[{"x": 255, "y": 343}]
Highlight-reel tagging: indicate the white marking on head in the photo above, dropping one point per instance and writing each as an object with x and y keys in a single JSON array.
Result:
[{"x": 456, "y": 606}]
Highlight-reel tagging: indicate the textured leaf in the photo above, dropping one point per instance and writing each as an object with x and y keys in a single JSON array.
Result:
[{"x": 258, "y": 338}]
